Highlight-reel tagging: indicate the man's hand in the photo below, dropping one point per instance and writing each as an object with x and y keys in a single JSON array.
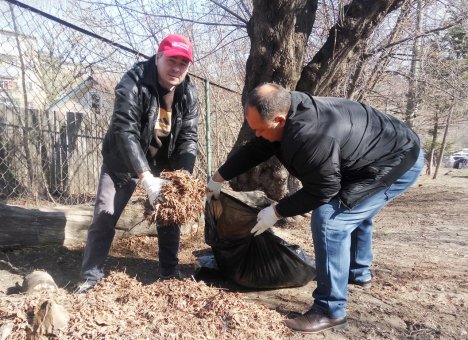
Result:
[
  {"x": 153, "y": 186},
  {"x": 213, "y": 189},
  {"x": 265, "y": 220}
]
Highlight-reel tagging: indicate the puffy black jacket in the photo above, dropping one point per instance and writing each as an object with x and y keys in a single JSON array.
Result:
[
  {"x": 335, "y": 147},
  {"x": 131, "y": 128}
]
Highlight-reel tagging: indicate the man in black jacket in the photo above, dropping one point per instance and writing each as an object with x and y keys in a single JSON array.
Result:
[
  {"x": 351, "y": 159},
  {"x": 153, "y": 127}
]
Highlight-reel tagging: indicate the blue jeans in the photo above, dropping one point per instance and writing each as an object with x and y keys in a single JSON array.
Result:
[{"x": 343, "y": 243}]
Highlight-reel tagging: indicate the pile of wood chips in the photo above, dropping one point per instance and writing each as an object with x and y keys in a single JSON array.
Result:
[
  {"x": 121, "y": 307},
  {"x": 181, "y": 200}
]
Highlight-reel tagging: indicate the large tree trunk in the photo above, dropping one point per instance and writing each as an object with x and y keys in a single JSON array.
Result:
[{"x": 278, "y": 30}]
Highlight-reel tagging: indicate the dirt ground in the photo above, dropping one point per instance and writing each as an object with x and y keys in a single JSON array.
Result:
[{"x": 420, "y": 286}]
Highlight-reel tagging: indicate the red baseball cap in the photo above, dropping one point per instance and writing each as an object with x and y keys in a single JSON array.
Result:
[{"x": 175, "y": 45}]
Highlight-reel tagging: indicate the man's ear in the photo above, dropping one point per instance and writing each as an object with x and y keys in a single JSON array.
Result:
[
  {"x": 157, "y": 57},
  {"x": 280, "y": 119}
]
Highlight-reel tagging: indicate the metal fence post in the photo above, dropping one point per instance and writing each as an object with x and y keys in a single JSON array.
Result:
[{"x": 208, "y": 128}]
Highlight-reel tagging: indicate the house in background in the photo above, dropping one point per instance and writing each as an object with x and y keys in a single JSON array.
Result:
[
  {"x": 51, "y": 83},
  {"x": 65, "y": 117},
  {"x": 80, "y": 118}
]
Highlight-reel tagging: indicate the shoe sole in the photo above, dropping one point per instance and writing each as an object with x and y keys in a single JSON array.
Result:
[
  {"x": 367, "y": 285},
  {"x": 339, "y": 327}
]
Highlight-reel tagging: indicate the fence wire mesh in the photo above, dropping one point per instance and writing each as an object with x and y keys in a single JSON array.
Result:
[{"x": 56, "y": 100}]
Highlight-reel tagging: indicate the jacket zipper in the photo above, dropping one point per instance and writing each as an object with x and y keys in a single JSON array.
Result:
[
  {"x": 176, "y": 122},
  {"x": 153, "y": 100}
]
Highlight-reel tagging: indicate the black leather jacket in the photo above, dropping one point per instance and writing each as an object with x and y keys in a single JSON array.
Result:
[
  {"x": 131, "y": 128},
  {"x": 336, "y": 148}
]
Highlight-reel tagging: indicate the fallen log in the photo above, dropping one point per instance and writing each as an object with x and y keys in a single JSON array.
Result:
[{"x": 25, "y": 226}]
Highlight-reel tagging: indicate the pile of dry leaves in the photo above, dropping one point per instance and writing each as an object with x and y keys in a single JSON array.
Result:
[
  {"x": 120, "y": 307},
  {"x": 181, "y": 200}
]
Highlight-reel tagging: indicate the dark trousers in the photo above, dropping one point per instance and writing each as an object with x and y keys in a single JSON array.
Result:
[{"x": 110, "y": 202}]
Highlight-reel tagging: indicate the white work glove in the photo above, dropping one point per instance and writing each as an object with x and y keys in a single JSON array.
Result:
[
  {"x": 153, "y": 186},
  {"x": 265, "y": 220},
  {"x": 213, "y": 189}
]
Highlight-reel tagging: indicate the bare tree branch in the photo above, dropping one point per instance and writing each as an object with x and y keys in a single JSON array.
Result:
[
  {"x": 425, "y": 33},
  {"x": 230, "y": 12}
]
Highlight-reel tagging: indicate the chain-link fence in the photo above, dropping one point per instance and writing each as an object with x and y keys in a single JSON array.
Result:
[{"x": 56, "y": 100}]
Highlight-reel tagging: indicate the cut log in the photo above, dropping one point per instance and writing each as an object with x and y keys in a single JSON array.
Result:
[{"x": 21, "y": 226}]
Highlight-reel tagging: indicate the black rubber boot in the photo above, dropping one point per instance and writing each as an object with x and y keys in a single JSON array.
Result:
[{"x": 168, "y": 241}]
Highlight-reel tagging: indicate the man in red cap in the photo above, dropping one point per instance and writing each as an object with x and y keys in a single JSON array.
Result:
[{"x": 153, "y": 127}]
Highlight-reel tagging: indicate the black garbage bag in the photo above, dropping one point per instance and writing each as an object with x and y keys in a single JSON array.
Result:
[{"x": 265, "y": 261}]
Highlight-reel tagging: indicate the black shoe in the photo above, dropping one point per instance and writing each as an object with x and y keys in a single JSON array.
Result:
[
  {"x": 315, "y": 321},
  {"x": 85, "y": 286},
  {"x": 363, "y": 284},
  {"x": 176, "y": 275}
]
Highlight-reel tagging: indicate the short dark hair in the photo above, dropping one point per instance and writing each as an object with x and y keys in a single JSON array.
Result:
[{"x": 269, "y": 102}]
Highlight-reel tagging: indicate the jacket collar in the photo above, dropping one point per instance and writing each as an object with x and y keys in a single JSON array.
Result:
[
  {"x": 150, "y": 74},
  {"x": 298, "y": 121}
]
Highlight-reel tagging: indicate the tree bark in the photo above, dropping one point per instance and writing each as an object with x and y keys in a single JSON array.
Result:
[
  {"x": 278, "y": 30},
  {"x": 22, "y": 227}
]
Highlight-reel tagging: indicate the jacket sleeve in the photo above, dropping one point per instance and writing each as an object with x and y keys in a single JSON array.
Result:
[
  {"x": 249, "y": 155},
  {"x": 126, "y": 125},
  {"x": 318, "y": 161},
  {"x": 185, "y": 151}
]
